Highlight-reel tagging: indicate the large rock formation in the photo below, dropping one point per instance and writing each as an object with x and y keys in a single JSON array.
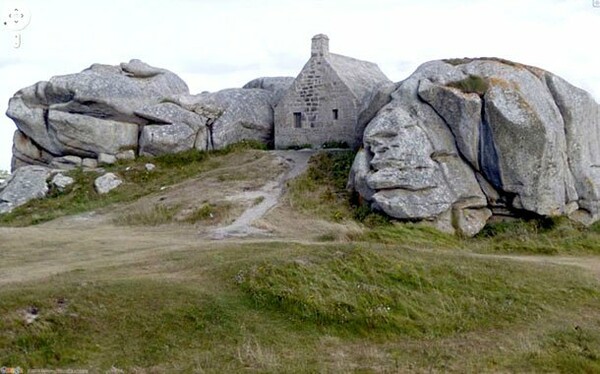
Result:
[
  {"x": 276, "y": 85},
  {"x": 463, "y": 138},
  {"x": 105, "y": 112},
  {"x": 88, "y": 113},
  {"x": 231, "y": 115}
]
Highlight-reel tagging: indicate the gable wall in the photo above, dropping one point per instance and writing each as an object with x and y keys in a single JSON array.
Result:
[{"x": 315, "y": 93}]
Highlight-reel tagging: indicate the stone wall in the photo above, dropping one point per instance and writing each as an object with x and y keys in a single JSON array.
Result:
[{"x": 315, "y": 94}]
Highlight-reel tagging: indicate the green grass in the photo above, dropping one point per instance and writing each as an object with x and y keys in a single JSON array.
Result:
[
  {"x": 539, "y": 236},
  {"x": 322, "y": 191},
  {"x": 335, "y": 144},
  {"x": 359, "y": 290},
  {"x": 152, "y": 216},
  {"x": 295, "y": 308},
  {"x": 471, "y": 84},
  {"x": 111, "y": 323},
  {"x": 299, "y": 146},
  {"x": 567, "y": 350},
  {"x": 210, "y": 212},
  {"x": 81, "y": 197}
]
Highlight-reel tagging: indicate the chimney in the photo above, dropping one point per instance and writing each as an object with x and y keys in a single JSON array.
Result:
[{"x": 320, "y": 45}]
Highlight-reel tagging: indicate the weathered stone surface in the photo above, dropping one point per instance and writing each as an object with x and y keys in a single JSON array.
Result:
[
  {"x": 87, "y": 136},
  {"x": 61, "y": 181},
  {"x": 89, "y": 163},
  {"x": 460, "y": 140},
  {"x": 28, "y": 153},
  {"x": 160, "y": 139},
  {"x": 31, "y": 119},
  {"x": 115, "y": 93},
  {"x": 357, "y": 180},
  {"x": 126, "y": 155},
  {"x": 25, "y": 184},
  {"x": 276, "y": 85},
  {"x": 461, "y": 111},
  {"x": 414, "y": 177},
  {"x": 106, "y": 159},
  {"x": 66, "y": 162},
  {"x": 107, "y": 183},
  {"x": 581, "y": 115},
  {"x": 87, "y": 113},
  {"x": 170, "y": 113},
  {"x": 232, "y": 115}
]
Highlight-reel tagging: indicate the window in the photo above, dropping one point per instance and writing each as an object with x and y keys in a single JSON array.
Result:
[
  {"x": 297, "y": 120},
  {"x": 335, "y": 114}
]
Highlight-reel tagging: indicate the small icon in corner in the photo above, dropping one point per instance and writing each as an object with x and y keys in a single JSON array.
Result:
[{"x": 15, "y": 17}]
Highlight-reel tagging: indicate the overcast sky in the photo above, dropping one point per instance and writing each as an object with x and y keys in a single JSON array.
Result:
[{"x": 216, "y": 44}]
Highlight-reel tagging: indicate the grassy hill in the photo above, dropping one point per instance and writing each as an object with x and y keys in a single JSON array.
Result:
[{"x": 138, "y": 286}]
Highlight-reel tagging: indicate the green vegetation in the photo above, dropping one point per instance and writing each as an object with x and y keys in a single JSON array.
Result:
[
  {"x": 82, "y": 197},
  {"x": 539, "y": 236},
  {"x": 322, "y": 191},
  {"x": 471, "y": 84},
  {"x": 363, "y": 291},
  {"x": 335, "y": 145},
  {"x": 152, "y": 216},
  {"x": 399, "y": 297},
  {"x": 210, "y": 212},
  {"x": 295, "y": 308}
]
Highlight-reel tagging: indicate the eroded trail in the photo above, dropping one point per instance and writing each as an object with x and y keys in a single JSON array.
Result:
[
  {"x": 268, "y": 196},
  {"x": 93, "y": 241}
]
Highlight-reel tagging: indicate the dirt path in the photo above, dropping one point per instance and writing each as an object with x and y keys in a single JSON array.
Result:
[
  {"x": 92, "y": 241},
  {"x": 269, "y": 196}
]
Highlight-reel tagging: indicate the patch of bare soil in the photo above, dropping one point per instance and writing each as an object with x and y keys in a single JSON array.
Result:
[{"x": 253, "y": 185}]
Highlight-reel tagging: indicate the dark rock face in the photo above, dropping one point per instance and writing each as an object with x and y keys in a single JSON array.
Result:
[{"x": 463, "y": 138}]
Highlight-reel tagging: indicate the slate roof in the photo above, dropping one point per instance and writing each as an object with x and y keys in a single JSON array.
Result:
[{"x": 361, "y": 77}]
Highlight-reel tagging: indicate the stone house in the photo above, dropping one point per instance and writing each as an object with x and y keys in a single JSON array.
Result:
[{"x": 332, "y": 100}]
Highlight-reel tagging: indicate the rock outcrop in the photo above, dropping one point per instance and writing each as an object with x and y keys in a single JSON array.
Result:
[
  {"x": 464, "y": 138},
  {"x": 276, "y": 85},
  {"x": 88, "y": 113},
  {"x": 108, "y": 113},
  {"x": 209, "y": 120},
  {"x": 107, "y": 183},
  {"x": 27, "y": 183}
]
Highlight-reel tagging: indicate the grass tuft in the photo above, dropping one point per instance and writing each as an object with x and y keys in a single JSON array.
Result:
[{"x": 471, "y": 84}]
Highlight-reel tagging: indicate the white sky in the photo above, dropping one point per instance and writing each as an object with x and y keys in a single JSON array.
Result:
[{"x": 216, "y": 44}]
